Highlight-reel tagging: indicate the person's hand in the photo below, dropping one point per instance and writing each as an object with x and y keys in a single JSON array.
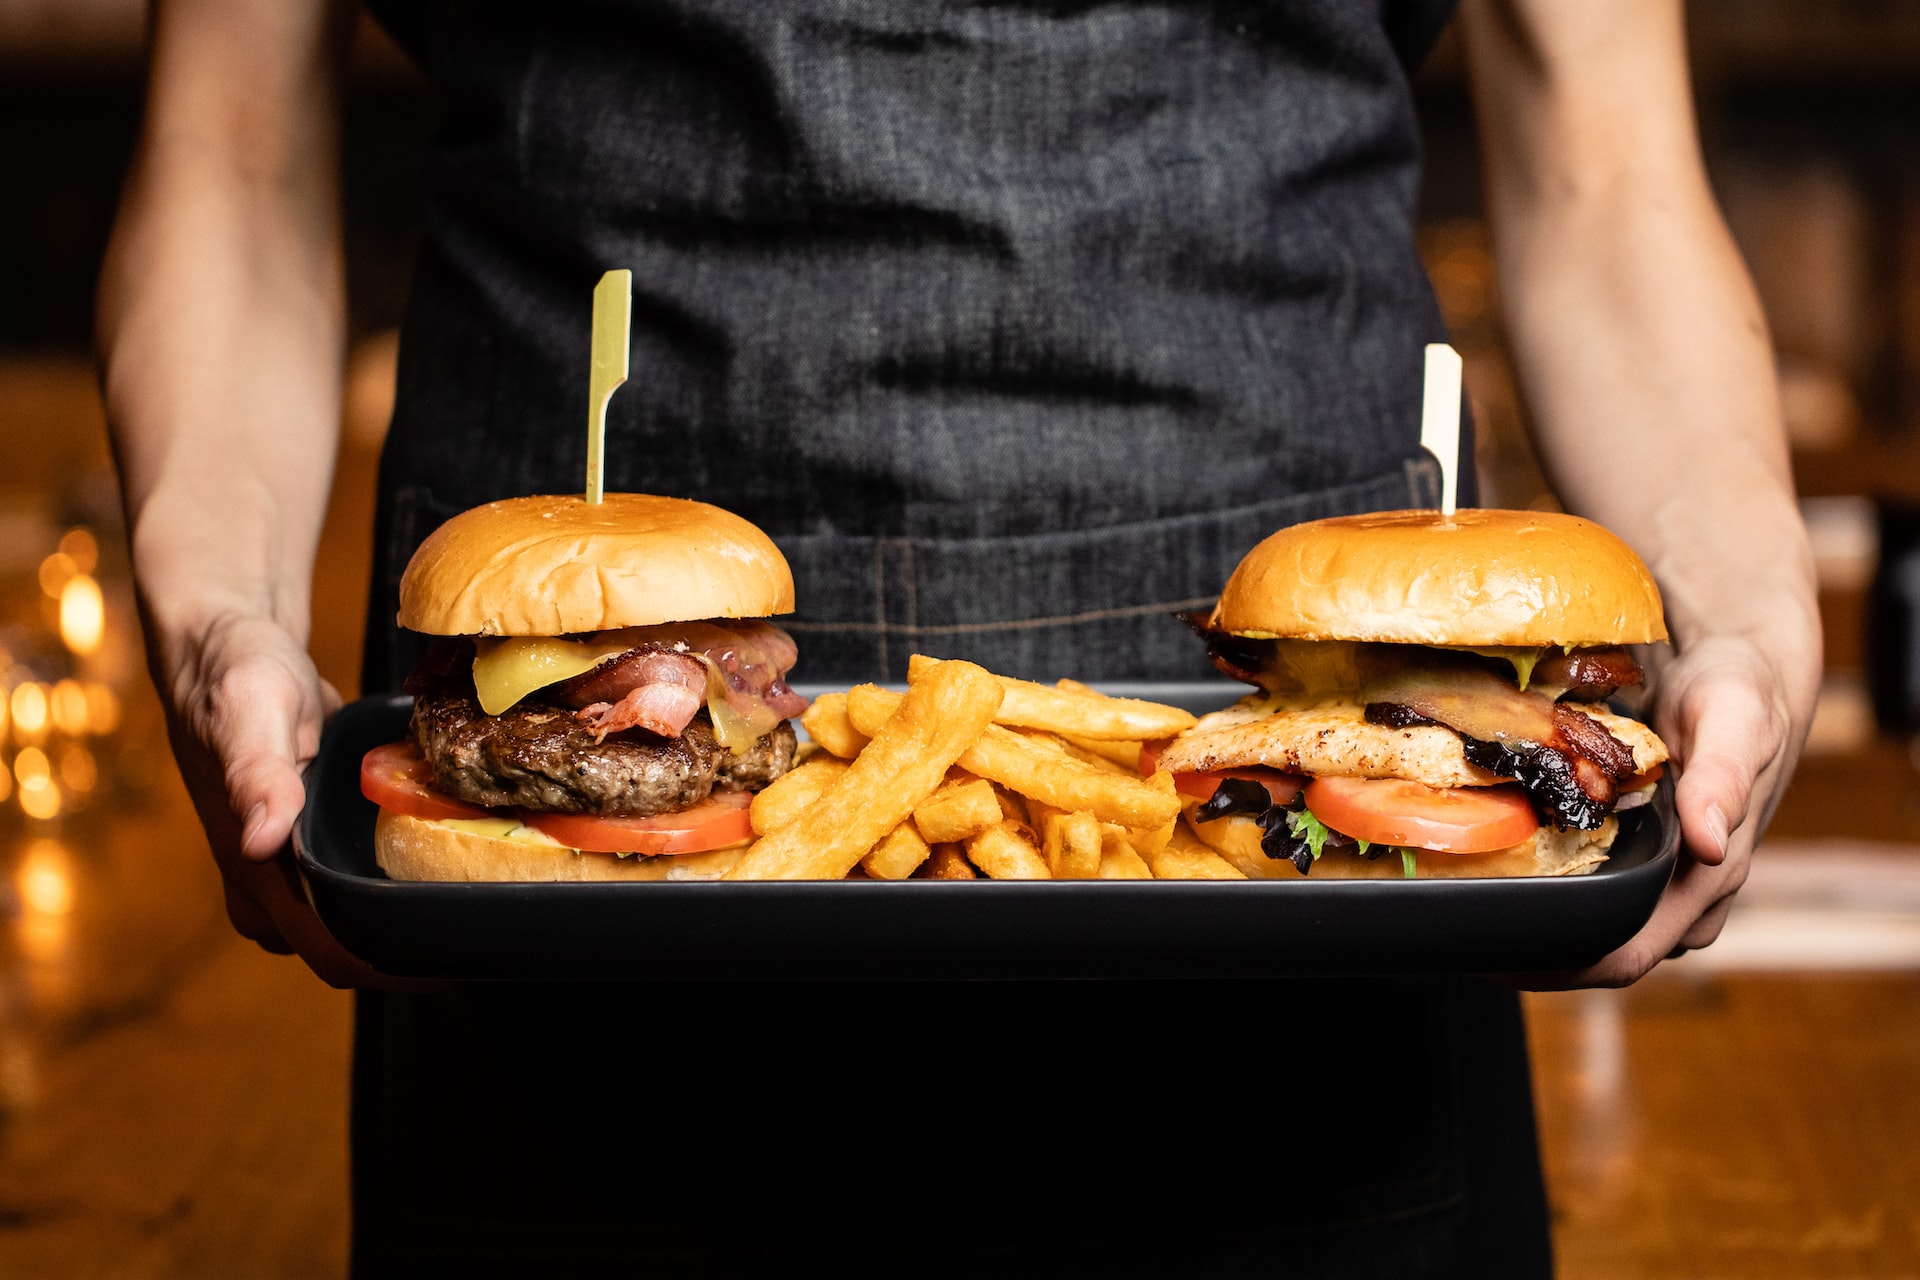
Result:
[
  {"x": 244, "y": 710},
  {"x": 1734, "y": 716}
]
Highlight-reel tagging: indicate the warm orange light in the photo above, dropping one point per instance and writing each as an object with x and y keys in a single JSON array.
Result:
[
  {"x": 67, "y": 703},
  {"x": 31, "y": 765},
  {"x": 46, "y": 879},
  {"x": 103, "y": 709},
  {"x": 6, "y": 784},
  {"x": 79, "y": 546},
  {"x": 29, "y": 705},
  {"x": 39, "y": 797},
  {"x": 55, "y": 570},
  {"x": 83, "y": 614},
  {"x": 78, "y": 772}
]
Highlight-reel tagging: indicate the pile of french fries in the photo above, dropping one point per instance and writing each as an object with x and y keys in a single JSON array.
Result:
[{"x": 970, "y": 774}]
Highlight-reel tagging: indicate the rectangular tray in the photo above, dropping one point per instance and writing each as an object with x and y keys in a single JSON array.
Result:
[{"x": 945, "y": 929}]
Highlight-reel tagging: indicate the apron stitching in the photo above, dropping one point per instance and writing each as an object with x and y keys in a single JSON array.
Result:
[{"x": 884, "y": 628}]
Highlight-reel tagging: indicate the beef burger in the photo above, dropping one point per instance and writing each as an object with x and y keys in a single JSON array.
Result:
[{"x": 605, "y": 686}]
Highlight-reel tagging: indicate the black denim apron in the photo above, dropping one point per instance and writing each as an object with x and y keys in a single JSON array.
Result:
[{"x": 1016, "y": 325}]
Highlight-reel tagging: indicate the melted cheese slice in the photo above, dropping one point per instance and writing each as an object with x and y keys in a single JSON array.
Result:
[{"x": 508, "y": 668}]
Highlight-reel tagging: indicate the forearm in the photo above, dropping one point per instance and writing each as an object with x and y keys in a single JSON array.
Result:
[
  {"x": 221, "y": 332},
  {"x": 1639, "y": 342}
]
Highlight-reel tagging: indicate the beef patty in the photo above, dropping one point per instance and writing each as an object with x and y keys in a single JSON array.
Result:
[{"x": 540, "y": 757}]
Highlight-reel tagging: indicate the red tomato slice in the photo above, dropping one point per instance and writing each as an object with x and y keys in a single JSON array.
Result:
[
  {"x": 1640, "y": 780},
  {"x": 1283, "y": 787},
  {"x": 1397, "y": 811},
  {"x": 713, "y": 823},
  {"x": 398, "y": 777}
]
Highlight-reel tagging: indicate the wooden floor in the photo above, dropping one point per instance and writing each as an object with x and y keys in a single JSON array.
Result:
[{"x": 172, "y": 1101}]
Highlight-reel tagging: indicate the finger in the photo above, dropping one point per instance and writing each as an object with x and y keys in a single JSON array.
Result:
[
  {"x": 1696, "y": 891},
  {"x": 254, "y": 923},
  {"x": 275, "y": 886},
  {"x": 1706, "y": 930},
  {"x": 1727, "y": 734},
  {"x": 258, "y": 713}
]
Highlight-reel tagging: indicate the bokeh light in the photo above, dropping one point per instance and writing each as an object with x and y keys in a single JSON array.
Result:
[
  {"x": 46, "y": 878},
  {"x": 78, "y": 770},
  {"x": 83, "y": 614},
  {"x": 55, "y": 572},
  {"x": 39, "y": 797},
  {"x": 103, "y": 709},
  {"x": 67, "y": 704},
  {"x": 29, "y": 706},
  {"x": 78, "y": 545}
]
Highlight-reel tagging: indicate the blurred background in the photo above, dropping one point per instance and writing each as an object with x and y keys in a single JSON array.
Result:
[{"x": 172, "y": 1100}]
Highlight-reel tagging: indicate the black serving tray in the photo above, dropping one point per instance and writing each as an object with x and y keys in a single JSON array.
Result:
[{"x": 925, "y": 929}]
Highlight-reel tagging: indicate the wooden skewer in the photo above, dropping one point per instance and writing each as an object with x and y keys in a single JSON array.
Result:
[
  {"x": 1440, "y": 418},
  {"x": 612, "y": 330}
]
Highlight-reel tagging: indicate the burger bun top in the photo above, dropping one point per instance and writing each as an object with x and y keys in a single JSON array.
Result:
[
  {"x": 555, "y": 565},
  {"x": 1476, "y": 578}
]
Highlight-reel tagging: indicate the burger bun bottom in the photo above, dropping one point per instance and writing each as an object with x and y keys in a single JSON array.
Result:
[
  {"x": 1545, "y": 853},
  {"x": 418, "y": 849}
]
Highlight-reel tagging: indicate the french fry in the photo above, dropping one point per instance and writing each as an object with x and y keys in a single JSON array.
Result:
[
  {"x": 1074, "y": 686},
  {"x": 931, "y": 726},
  {"x": 1071, "y": 845},
  {"x": 1118, "y": 861},
  {"x": 1005, "y": 854},
  {"x": 897, "y": 855},
  {"x": 1150, "y": 840},
  {"x": 1039, "y": 771},
  {"x": 1124, "y": 754},
  {"x": 827, "y": 724},
  {"x": 1185, "y": 858},
  {"x": 956, "y": 813},
  {"x": 1080, "y": 715},
  {"x": 946, "y": 862},
  {"x": 1076, "y": 751},
  {"x": 787, "y": 797}
]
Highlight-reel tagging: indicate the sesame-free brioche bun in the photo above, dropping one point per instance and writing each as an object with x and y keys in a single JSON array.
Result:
[
  {"x": 1478, "y": 577},
  {"x": 410, "y": 848},
  {"x": 553, "y": 565}
]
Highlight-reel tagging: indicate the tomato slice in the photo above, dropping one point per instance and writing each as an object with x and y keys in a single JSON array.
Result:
[
  {"x": 1447, "y": 819},
  {"x": 714, "y": 823},
  {"x": 1283, "y": 787},
  {"x": 398, "y": 777},
  {"x": 1640, "y": 780}
]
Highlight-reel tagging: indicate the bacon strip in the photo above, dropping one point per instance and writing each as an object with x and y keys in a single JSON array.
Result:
[
  {"x": 1586, "y": 675},
  {"x": 657, "y": 690},
  {"x": 661, "y": 683},
  {"x": 1568, "y": 762}
]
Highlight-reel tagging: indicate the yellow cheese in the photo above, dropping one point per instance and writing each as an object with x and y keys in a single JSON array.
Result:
[{"x": 508, "y": 668}]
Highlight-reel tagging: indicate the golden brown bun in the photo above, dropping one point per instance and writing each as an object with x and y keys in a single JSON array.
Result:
[
  {"x": 415, "y": 849},
  {"x": 1528, "y": 578},
  {"x": 1545, "y": 853},
  {"x": 550, "y": 566}
]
